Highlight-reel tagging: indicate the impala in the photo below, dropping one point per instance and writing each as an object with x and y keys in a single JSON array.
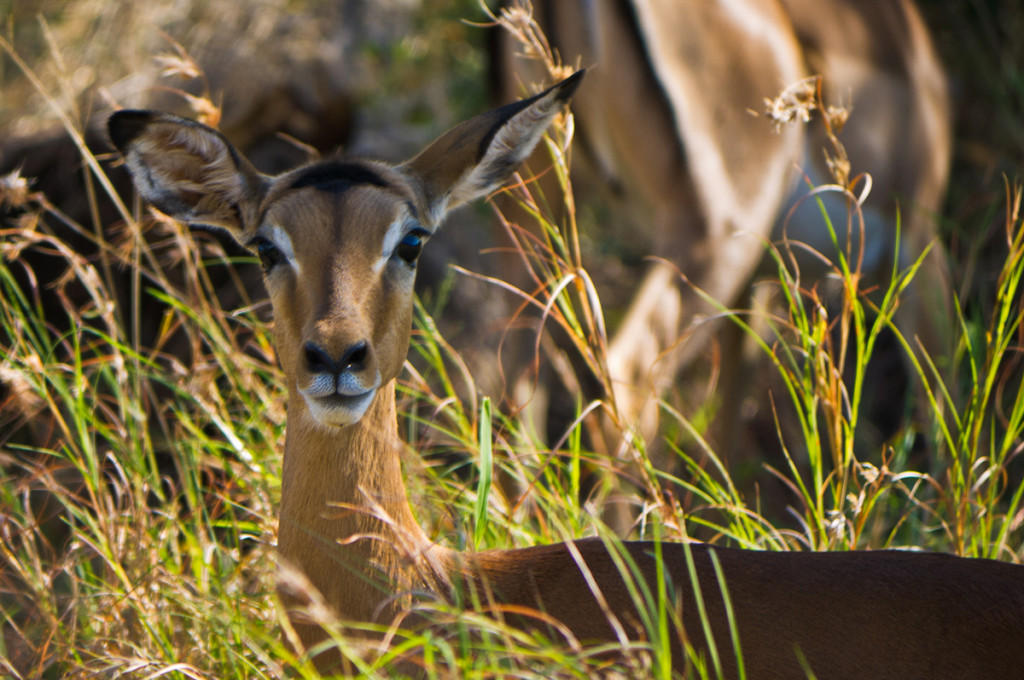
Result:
[
  {"x": 665, "y": 122},
  {"x": 339, "y": 241}
]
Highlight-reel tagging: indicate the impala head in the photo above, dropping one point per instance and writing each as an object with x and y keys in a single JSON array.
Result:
[{"x": 338, "y": 240}]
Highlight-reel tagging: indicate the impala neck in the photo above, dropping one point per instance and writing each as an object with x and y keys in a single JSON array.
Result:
[{"x": 345, "y": 519}]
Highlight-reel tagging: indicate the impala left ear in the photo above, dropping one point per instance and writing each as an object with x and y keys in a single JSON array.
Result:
[
  {"x": 188, "y": 170},
  {"x": 480, "y": 155}
]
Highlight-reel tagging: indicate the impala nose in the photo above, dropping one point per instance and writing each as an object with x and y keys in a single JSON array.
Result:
[{"x": 318, "y": 360}]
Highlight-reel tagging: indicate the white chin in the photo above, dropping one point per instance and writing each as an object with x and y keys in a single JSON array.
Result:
[{"x": 339, "y": 411}]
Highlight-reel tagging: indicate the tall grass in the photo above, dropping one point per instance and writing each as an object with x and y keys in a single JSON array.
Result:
[{"x": 140, "y": 479}]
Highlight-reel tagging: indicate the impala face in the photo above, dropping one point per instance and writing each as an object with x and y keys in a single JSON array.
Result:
[
  {"x": 339, "y": 245},
  {"x": 338, "y": 240}
]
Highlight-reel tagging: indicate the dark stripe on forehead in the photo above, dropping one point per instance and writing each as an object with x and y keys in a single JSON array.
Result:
[{"x": 336, "y": 177}]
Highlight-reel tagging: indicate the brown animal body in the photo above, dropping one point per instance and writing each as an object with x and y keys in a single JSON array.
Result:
[
  {"x": 665, "y": 125},
  {"x": 339, "y": 242}
]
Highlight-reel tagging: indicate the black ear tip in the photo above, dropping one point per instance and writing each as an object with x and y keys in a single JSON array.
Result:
[
  {"x": 568, "y": 86},
  {"x": 126, "y": 125}
]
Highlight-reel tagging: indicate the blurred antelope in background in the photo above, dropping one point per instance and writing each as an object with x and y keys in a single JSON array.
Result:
[
  {"x": 665, "y": 124},
  {"x": 339, "y": 243}
]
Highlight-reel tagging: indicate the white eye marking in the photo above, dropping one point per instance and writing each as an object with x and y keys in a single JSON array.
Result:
[
  {"x": 397, "y": 230},
  {"x": 283, "y": 241}
]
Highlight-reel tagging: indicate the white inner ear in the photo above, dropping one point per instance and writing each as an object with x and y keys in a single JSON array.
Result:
[
  {"x": 220, "y": 173},
  {"x": 512, "y": 144}
]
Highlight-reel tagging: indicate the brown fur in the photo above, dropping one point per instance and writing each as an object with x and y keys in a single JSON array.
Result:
[{"x": 665, "y": 121}]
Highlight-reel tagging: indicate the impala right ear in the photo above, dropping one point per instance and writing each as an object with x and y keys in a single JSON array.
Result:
[
  {"x": 188, "y": 170},
  {"x": 478, "y": 156}
]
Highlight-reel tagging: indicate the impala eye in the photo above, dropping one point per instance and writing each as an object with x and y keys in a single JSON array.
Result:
[
  {"x": 269, "y": 254},
  {"x": 411, "y": 244}
]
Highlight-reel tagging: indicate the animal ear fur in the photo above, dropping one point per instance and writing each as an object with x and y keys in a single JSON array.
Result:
[
  {"x": 481, "y": 154},
  {"x": 188, "y": 170}
]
